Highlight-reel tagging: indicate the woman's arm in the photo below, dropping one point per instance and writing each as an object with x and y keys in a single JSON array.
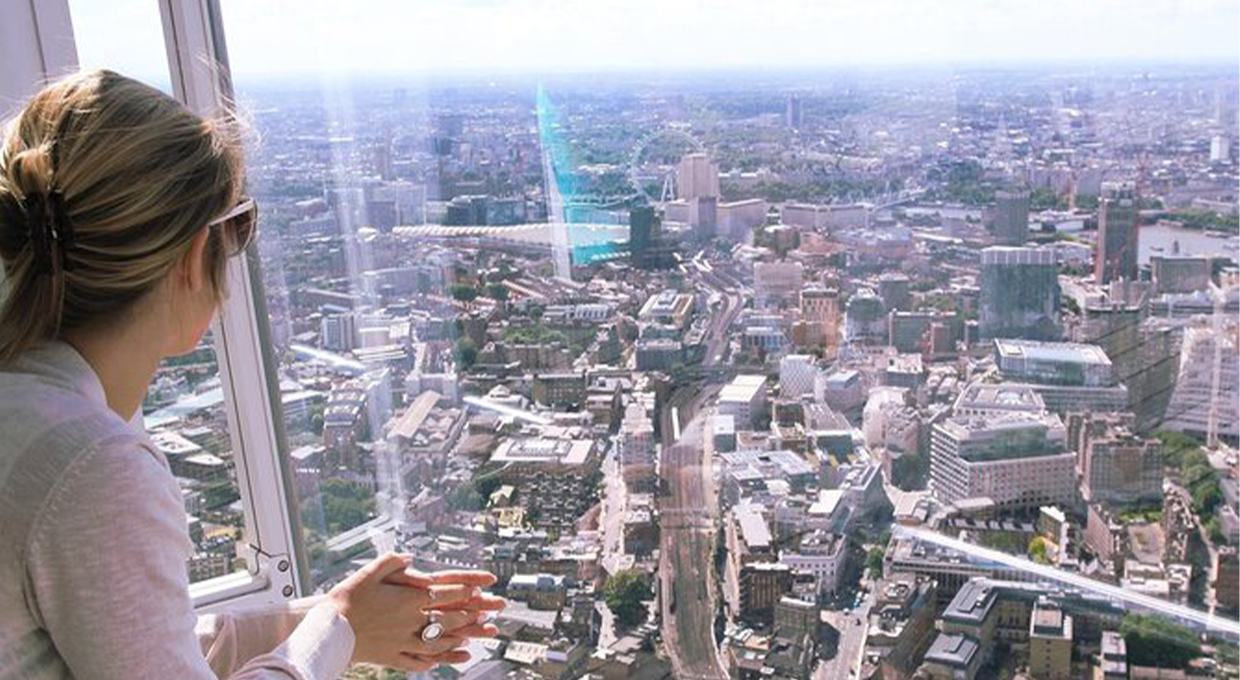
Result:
[
  {"x": 108, "y": 581},
  {"x": 230, "y": 639}
]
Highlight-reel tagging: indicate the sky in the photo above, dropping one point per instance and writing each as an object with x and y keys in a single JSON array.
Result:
[{"x": 273, "y": 38}]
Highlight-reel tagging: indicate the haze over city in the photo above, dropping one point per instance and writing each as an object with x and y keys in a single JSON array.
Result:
[{"x": 740, "y": 338}]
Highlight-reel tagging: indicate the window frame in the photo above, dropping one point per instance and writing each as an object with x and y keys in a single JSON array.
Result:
[
  {"x": 198, "y": 65},
  {"x": 39, "y": 46}
]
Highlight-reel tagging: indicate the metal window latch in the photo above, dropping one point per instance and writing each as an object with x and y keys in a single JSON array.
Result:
[{"x": 277, "y": 569}]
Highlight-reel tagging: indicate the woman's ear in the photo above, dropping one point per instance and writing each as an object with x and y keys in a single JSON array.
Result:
[{"x": 192, "y": 268}]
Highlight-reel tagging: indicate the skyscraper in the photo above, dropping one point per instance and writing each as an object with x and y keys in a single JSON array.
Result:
[
  {"x": 1019, "y": 294},
  {"x": 792, "y": 112},
  {"x": 641, "y": 232},
  {"x": 1116, "y": 256},
  {"x": 1011, "y": 217},
  {"x": 697, "y": 176},
  {"x": 1220, "y": 149}
]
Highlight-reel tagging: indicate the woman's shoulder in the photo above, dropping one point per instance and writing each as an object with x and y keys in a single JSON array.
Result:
[
  {"x": 49, "y": 421},
  {"x": 53, "y": 439}
]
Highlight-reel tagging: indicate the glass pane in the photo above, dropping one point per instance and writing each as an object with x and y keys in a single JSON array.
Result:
[
  {"x": 185, "y": 415},
  {"x": 126, "y": 36},
  {"x": 789, "y": 366}
]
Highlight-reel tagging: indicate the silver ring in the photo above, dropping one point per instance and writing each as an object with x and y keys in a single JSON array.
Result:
[{"x": 432, "y": 631}]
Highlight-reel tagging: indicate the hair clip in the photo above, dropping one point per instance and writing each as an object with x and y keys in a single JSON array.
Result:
[
  {"x": 62, "y": 230},
  {"x": 41, "y": 236}
]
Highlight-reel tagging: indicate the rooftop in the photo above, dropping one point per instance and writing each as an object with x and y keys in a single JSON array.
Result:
[
  {"x": 543, "y": 450},
  {"x": 1051, "y": 352},
  {"x": 1000, "y": 397},
  {"x": 952, "y": 650},
  {"x": 754, "y": 530},
  {"x": 743, "y": 388}
]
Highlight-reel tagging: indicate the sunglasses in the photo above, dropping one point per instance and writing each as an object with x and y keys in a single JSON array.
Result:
[{"x": 242, "y": 224}]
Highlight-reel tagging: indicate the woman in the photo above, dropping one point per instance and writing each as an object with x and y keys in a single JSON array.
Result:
[{"x": 118, "y": 210}]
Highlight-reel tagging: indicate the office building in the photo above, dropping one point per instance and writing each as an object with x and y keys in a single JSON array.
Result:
[
  {"x": 1220, "y": 149},
  {"x": 1020, "y": 296},
  {"x": 1122, "y": 468},
  {"x": 667, "y": 308},
  {"x": 1011, "y": 217},
  {"x": 704, "y": 217},
  {"x": 792, "y": 112},
  {"x": 636, "y": 445},
  {"x": 777, "y": 284},
  {"x": 1227, "y": 579},
  {"x": 1206, "y": 398},
  {"x": 901, "y": 621},
  {"x": 642, "y": 232},
  {"x": 1118, "y": 234},
  {"x": 820, "y": 311},
  {"x": 893, "y": 288},
  {"x": 1068, "y": 376},
  {"x": 1016, "y": 460},
  {"x": 338, "y": 331},
  {"x": 1058, "y": 363},
  {"x": 952, "y": 657},
  {"x": 1050, "y": 642},
  {"x": 865, "y": 319},
  {"x": 697, "y": 176},
  {"x": 736, "y": 219},
  {"x": 1180, "y": 273},
  {"x": 823, "y": 556},
  {"x": 744, "y": 399},
  {"x": 913, "y": 331},
  {"x": 796, "y": 375},
  {"x": 985, "y": 399},
  {"x": 1112, "y": 658},
  {"x": 762, "y": 586}
]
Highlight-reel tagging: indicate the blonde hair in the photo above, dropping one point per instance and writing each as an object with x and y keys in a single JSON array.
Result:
[{"x": 134, "y": 176}]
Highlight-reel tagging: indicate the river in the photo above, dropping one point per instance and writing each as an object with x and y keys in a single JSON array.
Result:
[{"x": 1191, "y": 242}]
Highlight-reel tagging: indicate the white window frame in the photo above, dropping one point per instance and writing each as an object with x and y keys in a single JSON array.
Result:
[
  {"x": 198, "y": 63},
  {"x": 38, "y": 46}
]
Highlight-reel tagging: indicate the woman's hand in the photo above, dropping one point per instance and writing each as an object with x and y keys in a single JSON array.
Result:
[{"x": 388, "y": 606}]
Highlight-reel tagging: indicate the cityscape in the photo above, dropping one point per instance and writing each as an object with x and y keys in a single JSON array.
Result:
[{"x": 856, "y": 373}]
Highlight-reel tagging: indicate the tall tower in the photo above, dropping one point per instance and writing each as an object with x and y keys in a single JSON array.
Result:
[
  {"x": 1020, "y": 295},
  {"x": 641, "y": 233},
  {"x": 1011, "y": 217},
  {"x": 792, "y": 112},
  {"x": 697, "y": 177},
  {"x": 1118, "y": 235}
]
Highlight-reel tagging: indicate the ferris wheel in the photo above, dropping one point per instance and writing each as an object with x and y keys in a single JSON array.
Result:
[{"x": 654, "y": 161}]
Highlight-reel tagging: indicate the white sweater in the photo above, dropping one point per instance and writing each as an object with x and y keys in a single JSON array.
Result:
[{"x": 93, "y": 543}]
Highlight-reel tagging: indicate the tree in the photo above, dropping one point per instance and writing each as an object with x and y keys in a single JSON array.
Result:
[
  {"x": 1039, "y": 551},
  {"x": 466, "y": 353},
  {"x": 466, "y": 497},
  {"x": 344, "y": 505},
  {"x": 625, "y": 594},
  {"x": 463, "y": 292},
  {"x": 1156, "y": 641},
  {"x": 497, "y": 292},
  {"x": 874, "y": 562}
]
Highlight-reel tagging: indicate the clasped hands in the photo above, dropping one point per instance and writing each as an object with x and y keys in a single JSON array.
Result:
[{"x": 389, "y": 605}]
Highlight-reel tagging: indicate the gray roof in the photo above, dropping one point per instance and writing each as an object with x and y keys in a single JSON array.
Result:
[{"x": 951, "y": 649}]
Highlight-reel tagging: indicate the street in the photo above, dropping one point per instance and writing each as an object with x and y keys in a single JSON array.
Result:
[{"x": 847, "y": 658}]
